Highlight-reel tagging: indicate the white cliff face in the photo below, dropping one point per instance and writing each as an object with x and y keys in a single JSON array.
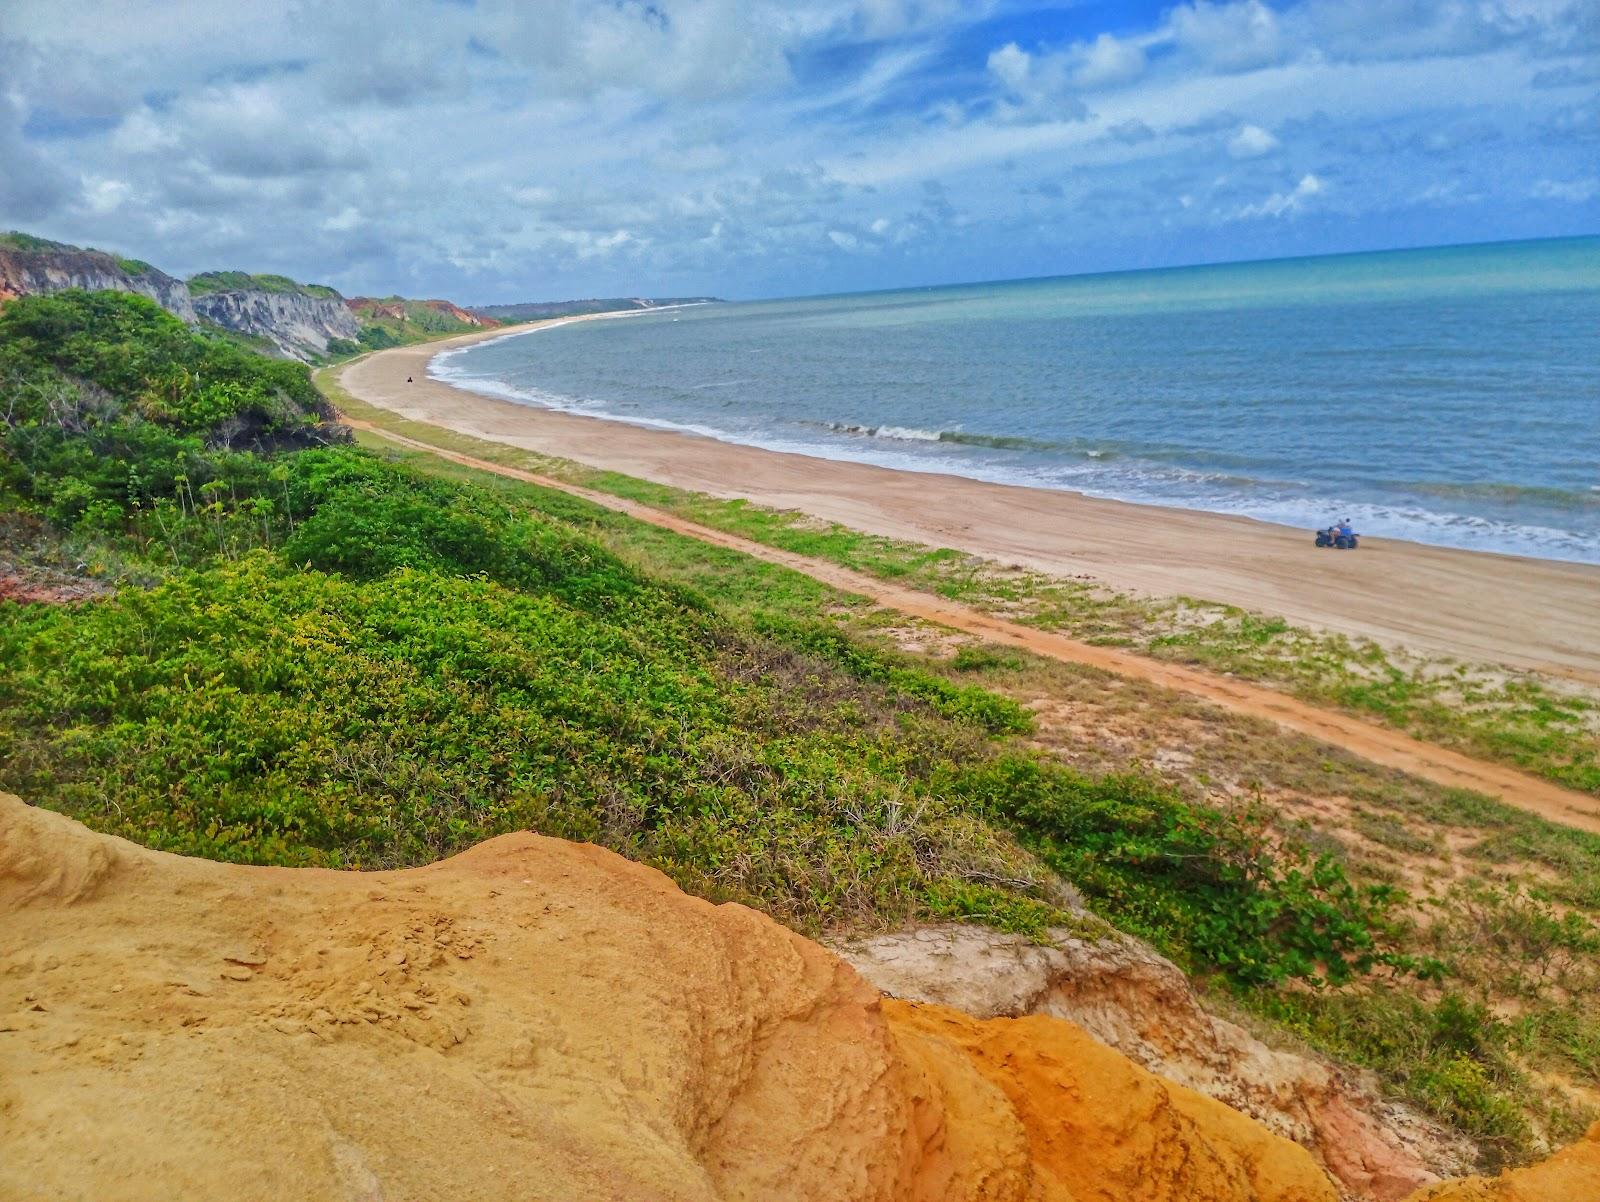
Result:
[
  {"x": 297, "y": 324},
  {"x": 23, "y": 273}
]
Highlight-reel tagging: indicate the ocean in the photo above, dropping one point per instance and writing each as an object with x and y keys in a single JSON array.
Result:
[{"x": 1448, "y": 396}]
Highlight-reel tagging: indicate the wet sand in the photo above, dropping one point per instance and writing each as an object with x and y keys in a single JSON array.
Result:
[{"x": 1500, "y": 609}]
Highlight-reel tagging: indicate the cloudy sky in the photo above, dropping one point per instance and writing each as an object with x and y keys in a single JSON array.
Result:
[{"x": 496, "y": 150}]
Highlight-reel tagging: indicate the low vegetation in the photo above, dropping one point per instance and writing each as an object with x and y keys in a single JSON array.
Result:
[
  {"x": 244, "y": 281},
  {"x": 1534, "y": 1074},
  {"x": 17, "y": 240},
  {"x": 397, "y": 321},
  {"x": 33, "y": 244},
  {"x": 321, "y": 655}
]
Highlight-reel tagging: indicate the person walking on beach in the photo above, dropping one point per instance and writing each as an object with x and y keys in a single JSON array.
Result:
[{"x": 408, "y": 379}]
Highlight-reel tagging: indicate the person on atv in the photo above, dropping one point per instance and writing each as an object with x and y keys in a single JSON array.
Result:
[{"x": 1344, "y": 535}]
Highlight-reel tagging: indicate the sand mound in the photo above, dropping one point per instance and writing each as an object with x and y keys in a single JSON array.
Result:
[
  {"x": 1571, "y": 1175},
  {"x": 530, "y": 1020}
]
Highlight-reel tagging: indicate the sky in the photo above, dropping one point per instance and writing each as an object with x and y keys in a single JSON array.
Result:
[{"x": 504, "y": 150}]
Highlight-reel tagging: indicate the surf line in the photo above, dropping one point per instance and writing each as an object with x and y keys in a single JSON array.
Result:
[{"x": 1376, "y": 744}]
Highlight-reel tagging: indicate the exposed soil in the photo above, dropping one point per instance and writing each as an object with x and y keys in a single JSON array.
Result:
[
  {"x": 48, "y": 588},
  {"x": 535, "y": 1021}
]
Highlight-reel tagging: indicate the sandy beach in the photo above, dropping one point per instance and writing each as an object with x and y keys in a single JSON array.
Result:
[{"x": 1522, "y": 613}]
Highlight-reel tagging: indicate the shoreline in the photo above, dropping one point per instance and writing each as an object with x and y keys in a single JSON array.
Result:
[{"x": 1541, "y": 615}]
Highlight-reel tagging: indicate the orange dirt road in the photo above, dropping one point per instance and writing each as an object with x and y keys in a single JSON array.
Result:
[{"x": 1376, "y": 744}]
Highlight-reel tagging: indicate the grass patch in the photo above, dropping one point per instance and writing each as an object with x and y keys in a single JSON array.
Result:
[{"x": 243, "y": 281}]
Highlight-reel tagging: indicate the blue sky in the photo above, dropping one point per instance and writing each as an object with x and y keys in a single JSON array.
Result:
[{"x": 494, "y": 150}]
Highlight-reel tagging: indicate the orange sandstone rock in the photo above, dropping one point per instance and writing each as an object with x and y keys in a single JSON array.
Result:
[
  {"x": 1571, "y": 1175},
  {"x": 530, "y": 1020},
  {"x": 1125, "y": 995},
  {"x": 1101, "y": 1129}
]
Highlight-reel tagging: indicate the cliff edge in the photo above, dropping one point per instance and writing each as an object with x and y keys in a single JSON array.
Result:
[
  {"x": 532, "y": 1019},
  {"x": 36, "y": 266},
  {"x": 299, "y": 324}
]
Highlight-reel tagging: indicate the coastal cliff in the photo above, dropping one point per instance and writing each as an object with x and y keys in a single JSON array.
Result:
[
  {"x": 298, "y": 323},
  {"x": 481, "y": 1029},
  {"x": 34, "y": 265},
  {"x": 425, "y": 313},
  {"x": 395, "y": 320},
  {"x": 279, "y": 315},
  {"x": 292, "y": 320}
]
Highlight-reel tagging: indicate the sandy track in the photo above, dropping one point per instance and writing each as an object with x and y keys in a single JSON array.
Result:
[
  {"x": 1376, "y": 744},
  {"x": 1496, "y": 609}
]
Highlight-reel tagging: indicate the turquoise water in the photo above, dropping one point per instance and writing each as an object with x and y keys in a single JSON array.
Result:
[{"x": 1449, "y": 396}]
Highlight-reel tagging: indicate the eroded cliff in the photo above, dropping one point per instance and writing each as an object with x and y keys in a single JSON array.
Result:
[
  {"x": 26, "y": 272},
  {"x": 1127, "y": 996},
  {"x": 532, "y": 1019},
  {"x": 294, "y": 320},
  {"x": 298, "y": 324}
]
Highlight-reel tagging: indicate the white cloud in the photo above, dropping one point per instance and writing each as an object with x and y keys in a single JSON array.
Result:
[
  {"x": 1251, "y": 142},
  {"x": 1012, "y": 66},
  {"x": 1039, "y": 86},
  {"x": 346, "y": 219},
  {"x": 105, "y": 196},
  {"x": 1577, "y": 191},
  {"x": 1230, "y": 36},
  {"x": 590, "y": 244},
  {"x": 1281, "y": 203},
  {"x": 1108, "y": 61}
]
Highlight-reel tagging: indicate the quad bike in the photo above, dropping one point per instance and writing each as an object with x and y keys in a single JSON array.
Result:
[{"x": 1332, "y": 538}]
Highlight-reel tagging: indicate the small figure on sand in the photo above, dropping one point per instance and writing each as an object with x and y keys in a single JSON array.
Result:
[
  {"x": 408, "y": 379},
  {"x": 1341, "y": 535}
]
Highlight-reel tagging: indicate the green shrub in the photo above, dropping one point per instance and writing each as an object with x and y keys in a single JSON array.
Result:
[
  {"x": 1206, "y": 884},
  {"x": 1451, "y": 1056},
  {"x": 147, "y": 363}
]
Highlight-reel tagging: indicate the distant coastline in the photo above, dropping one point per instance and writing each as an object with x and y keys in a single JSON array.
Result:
[{"x": 541, "y": 310}]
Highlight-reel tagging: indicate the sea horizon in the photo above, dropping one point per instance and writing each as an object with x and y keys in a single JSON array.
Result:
[
  {"x": 1201, "y": 265},
  {"x": 1444, "y": 395}
]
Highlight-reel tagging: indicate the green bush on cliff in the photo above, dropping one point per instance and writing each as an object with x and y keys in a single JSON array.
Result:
[
  {"x": 140, "y": 363},
  {"x": 1208, "y": 885},
  {"x": 17, "y": 240},
  {"x": 252, "y": 713},
  {"x": 115, "y": 415},
  {"x": 243, "y": 281}
]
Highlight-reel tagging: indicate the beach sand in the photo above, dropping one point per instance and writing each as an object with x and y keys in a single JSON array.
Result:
[{"x": 1497, "y": 609}]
